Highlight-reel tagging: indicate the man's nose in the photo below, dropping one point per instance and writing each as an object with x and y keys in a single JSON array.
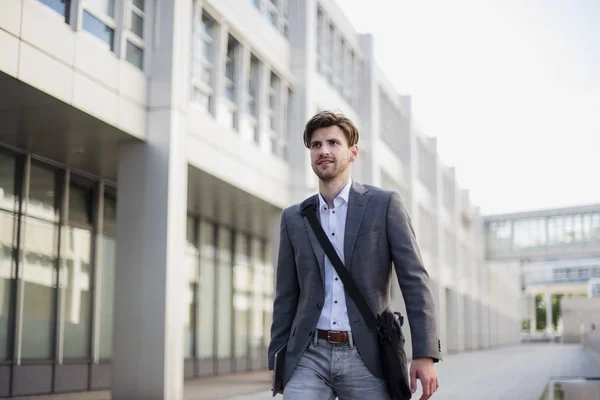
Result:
[{"x": 325, "y": 150}]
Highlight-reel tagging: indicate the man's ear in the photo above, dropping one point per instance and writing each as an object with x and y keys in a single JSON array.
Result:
[{"x": 354, "y": 153}]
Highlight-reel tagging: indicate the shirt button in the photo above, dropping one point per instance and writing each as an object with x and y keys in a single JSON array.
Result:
[
  {"x": 333, "y": 234},
  {"x": 334, "y": 323},
  {"x": 333, "y": 212},
  {"x": 336, "y": 279},
  {"x": 335, "y": 301}
]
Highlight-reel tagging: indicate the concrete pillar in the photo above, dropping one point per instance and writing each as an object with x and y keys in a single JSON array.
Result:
[
  {"x": 303, "y": 25},
  {"x": 147, "y": 362},
  {"x": 548, "y": 300}
]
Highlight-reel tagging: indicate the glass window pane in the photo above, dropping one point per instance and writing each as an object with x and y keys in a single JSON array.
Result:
[
  {"x": 241, "y": 301},
  {"x": 190, "y": 321},
  {"x": 139, "y": 4},
  {"x": 135, "y": 55},
  {"x": 191, "y": 267},
  {"x": 106, "y": 7},
  {"x": 75, "y": 282},
  {"x": 137, "y": 25},
  {"x": 106, "y": 277},
  {"x": 80, "y": 201},
  {"x": 39, "y": 276},
  {"x": 7, "y": 274},
  {"x": 97, "y": 28},
  {"x": 60, "y": 6},
  {"x": 42, "y": 202},
  {"x": 110, "y": 215},
  {"x": 257, "y": 339},
  {"x": 206, "y": 292},
  {"x": 8, "y": 200},
  {"x": 106, "y": 264},
  {"x": 225, "y": 295}
]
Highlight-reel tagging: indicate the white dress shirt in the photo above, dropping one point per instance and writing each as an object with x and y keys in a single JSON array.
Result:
[{"x": 334, "y": 316}]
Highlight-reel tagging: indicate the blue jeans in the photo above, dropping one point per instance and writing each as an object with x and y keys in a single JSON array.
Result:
[{"x": 327, "y": 371}]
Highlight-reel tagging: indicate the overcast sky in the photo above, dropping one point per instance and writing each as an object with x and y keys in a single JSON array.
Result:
[{"x": 511, "y": 89}]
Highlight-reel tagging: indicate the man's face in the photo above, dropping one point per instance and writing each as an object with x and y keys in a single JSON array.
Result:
[{"x": 330, "y": 155}]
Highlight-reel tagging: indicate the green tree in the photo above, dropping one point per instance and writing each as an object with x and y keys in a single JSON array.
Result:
[
  {"x": 556, "y": 311},
  {"x": 540, "y": 310}
]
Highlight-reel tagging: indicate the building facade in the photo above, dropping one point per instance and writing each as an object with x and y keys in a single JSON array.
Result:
[{"x": 147, "y": 149}]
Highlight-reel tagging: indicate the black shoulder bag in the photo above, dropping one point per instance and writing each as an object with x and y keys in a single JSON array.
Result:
[{"x": 387, "y": 325}]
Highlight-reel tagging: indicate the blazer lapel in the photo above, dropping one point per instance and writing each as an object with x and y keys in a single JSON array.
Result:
[
  {"x": 312, "y": 238},
  {"x": 357, "y": 204}
]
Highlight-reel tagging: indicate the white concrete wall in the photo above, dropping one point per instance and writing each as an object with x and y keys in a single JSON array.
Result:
[{"x": 40, "y": 49}]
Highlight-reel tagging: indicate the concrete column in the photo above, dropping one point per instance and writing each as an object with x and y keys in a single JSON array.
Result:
[
  {"x": 366, "y": 168},
  {"x": 548, "y": 301},
  {"x": 303, "y": 40},
  {"x": 218, "y": 77},
  {"x": 147, "y": 362},
  {"x": 265, "y": 118}
]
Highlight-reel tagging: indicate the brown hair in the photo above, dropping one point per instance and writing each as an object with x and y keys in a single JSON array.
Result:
[{"x": 325, "y": 119}]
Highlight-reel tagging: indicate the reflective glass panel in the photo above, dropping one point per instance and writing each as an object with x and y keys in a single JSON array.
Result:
[
  {"x": 106, "y": 284},
  {"x": 97, "y": 28},
  {"x": 225, "y": 295},
  {"x": 75, "y": 283},
  {"x": 39, "y": 294},
  {"x": 206, "y": 292}
]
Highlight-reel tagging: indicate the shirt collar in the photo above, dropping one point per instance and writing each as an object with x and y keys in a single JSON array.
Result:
[{"x": 344, "y": 195}]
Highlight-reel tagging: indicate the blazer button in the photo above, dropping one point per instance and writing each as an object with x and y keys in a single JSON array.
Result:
[{"x": 319, "y": 306}]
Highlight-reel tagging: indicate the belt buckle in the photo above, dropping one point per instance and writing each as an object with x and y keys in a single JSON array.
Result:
[{"x": 329, "y": 337}]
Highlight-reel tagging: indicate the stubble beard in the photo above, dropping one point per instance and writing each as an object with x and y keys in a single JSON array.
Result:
[{"x": 329, "y": 175}]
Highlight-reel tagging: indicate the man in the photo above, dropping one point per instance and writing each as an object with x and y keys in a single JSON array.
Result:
[{"x": 330, "y": 350}]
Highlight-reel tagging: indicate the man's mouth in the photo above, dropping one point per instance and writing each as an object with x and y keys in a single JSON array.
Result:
[{"x": 325, "y": 162}]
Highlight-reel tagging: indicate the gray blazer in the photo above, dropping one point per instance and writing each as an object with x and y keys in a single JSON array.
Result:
[{"x": 378, "y": 233}]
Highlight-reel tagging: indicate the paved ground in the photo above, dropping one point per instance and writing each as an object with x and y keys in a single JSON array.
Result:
[{"x": 518, "y": 372}]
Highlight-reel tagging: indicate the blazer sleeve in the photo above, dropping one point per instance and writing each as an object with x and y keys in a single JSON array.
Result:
[
  {"x": 287, "y": 290},
  {"x": 413, "y": 280}
]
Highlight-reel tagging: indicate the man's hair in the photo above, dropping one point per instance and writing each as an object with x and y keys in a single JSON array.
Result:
[{"x": 325, "y": 119}]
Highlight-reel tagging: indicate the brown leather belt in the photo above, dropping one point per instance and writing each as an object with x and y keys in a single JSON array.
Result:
[{"x": 333, "y": 336}]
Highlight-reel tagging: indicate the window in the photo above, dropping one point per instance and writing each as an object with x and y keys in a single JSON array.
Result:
[
  {"x": 448, "y": 189},
  {"x": 229, "y": 82},
  {"x": 99, "y": 20},
  {"x": 242, "y": 283},
  {"x": 274, "y": 114},
  {"x": 205, "y": 29},
  {"x": 389, "y": 122},
  {"x": 338, "y": 62},
  {"x": 40, "y": 257},
  {"x": 276, "y": 12},
  {"x": 106, "y": 276},
  {"x": 8, "y": 242},
  {"x": 60, "y": 6},
  {"x": 320, "y": 48},
  {"x": 330, "y": 54},
  {"x": 206, "y": 292},
  {"x": 426, "y": 161},
  {"x": 191, "y": 256},
  {"x": 224, "y": 296},
  {"x": 75, "y": 274},
  {"x": 135, "y": 35},
  {"x": 253, "y": 86},
  {"x": 449, "y": 248}
]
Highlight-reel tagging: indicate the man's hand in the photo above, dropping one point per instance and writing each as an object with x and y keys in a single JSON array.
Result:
[{"x": 422, "y": 368}]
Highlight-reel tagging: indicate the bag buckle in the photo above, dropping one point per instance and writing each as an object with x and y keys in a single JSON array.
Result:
[{"x": 329, "y": 337}]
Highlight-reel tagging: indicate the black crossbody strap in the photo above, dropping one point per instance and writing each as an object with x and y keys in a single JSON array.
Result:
[{"x": 347, "y": 280}]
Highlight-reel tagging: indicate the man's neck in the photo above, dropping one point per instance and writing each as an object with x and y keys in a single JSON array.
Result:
[{"x": 330, "y": 190}]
